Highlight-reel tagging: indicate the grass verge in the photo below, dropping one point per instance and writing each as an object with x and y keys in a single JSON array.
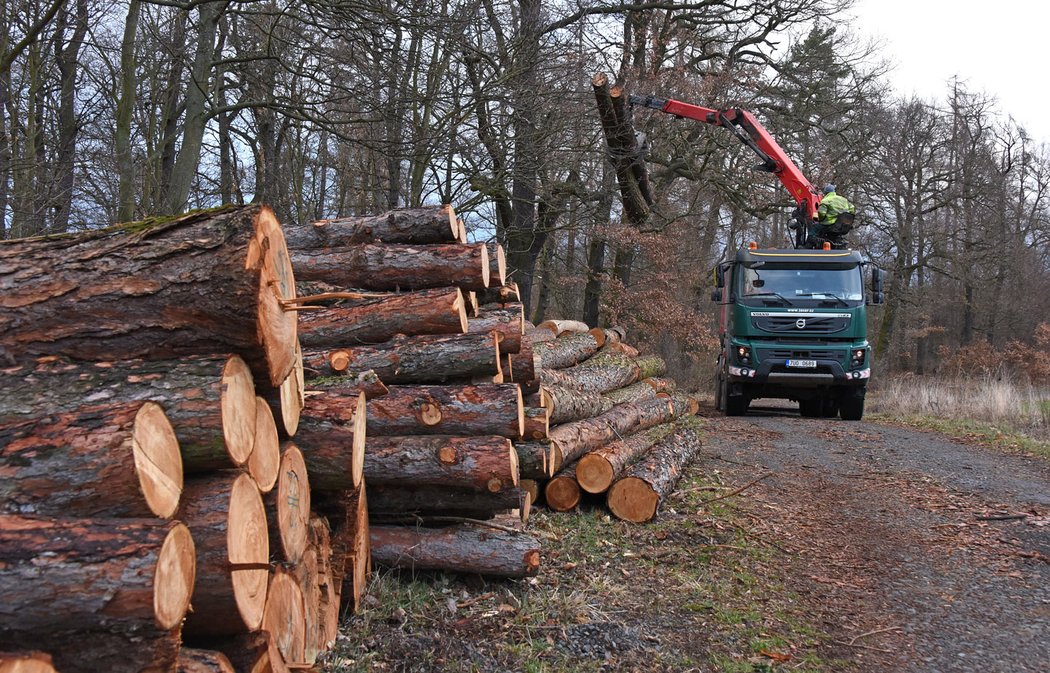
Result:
[{"x": 980, "y": 432}]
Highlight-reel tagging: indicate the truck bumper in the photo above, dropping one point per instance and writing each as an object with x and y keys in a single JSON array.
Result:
[{"x": 776, "y": 373}]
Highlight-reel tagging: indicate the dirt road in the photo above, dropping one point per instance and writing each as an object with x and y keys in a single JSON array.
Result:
[{"x": 917, "y": 553}]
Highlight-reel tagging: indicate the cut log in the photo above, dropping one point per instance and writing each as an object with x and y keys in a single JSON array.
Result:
[
  {"x": 379, "y": 318},
  {"x": 374, "y": 266},
  {"x": 26, "y": 662},
  {"x": 226, "y": 515},
  {"x": 464, "y": 549},
  {"x": 604, "y": 372},
  {"x": 537, "y": 424},
  {"x": 598, "y": 469},
  {"x": 534, "y": 459},
  {"x": 351, "y": 553},
  {"x": 632, "y": 393},
  {"x": 497, "y": 264},
  {"x": 288, "y": 507},
  {"x": 264, "y": 463},
  {"x": 116, "y": 460},
  {"x": 623, "y": 152},
  {"x": 457, "y": 410},
  {"x": 427, "y": 224},
  {"x": 661, "y": 385},
  {"x": 202, "y": 283},
  {"x": 524, "y": 365},
  {"x": 576, "y": 438},
  {"x": 559, "y": 327},
  {"x": 421, "y": 359},
  {"x": 286, "y": 402},
  {"x": 684, "y": 405},
  {"x": 210, "y": 400},
  {"x": 566, "y": 351},
  {"x": 91, "y": 651},
  {"x": 327, "y": 589},
  {"x": 67, "y": 575},
  {"x": 638, "y": 494},
  {"x": 365, "y": 382},
  {"x": 569, "y": 404},
  {"x": 505, "y": 294},
  {"x": 621, "y": 348},
  {"x": 194, "y": 660},
  {"x": 608, "y": 335},
  {"x": 285, "y": 616},
  {"x": 562, "y": 493},
  {"x": 536, "y": 336},
  {"x": 306, "y": 576},
  {"x": 650, "y": 366},
  {"x": 332, "y": 439},
  {"x": 532, "y": 488},
  {"x": 507, "y": 321},
  {"x": 252, "y": 653},
  {"x": 481, "y": 463},
  {"x": 407, "y": 503}
]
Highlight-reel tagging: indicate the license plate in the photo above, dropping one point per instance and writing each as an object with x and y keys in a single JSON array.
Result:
[{"x": 805, "y": 364}]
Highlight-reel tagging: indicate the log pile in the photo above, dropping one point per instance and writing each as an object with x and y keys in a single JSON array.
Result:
[{"x": 151, "y": 371}]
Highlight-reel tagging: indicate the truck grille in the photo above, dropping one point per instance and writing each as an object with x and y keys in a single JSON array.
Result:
[
  {"x": 788, "y": 353},
  {"x": 801, "y": 323}
]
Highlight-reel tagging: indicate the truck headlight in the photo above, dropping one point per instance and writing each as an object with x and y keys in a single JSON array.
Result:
[
  {"x": 857, "y": 357},
  {"x": 743, "y": 355}
]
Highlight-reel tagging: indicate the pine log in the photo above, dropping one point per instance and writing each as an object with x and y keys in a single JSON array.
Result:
[
  {"x": 501, "y": 295},
  {"x": 459, "y": 410},
  {"x": 264, "y": 462},
  {"x": 421, "y": 359},
  {"x": 26, "y": 662},
  {"x": 562, "y": 493},
  {"x": 566, "y": 351},
  {"x": 252, "y": 653},
  {"x": 366, "y": 382},
  {"x": 375, "y": 266},
  {"x": 598, "y": 469},
  {"x": 621, "y": 348},
  {"x": 426, "y": 224},
  {"x": 209, "y": 400},
  {"x": 632, "y": 393},
  {"x": 534, "y": 458},
  {"x": 306, "y": 576},
  {"x": 525, "y": 364},
  {"x": 378, "y": 318},
  {"x": 328, "y": 589},
  {"x": 481, "y": 463},
  {"x": 472, "y": 304},
  {"x": 288, "y": 507},
  {"x": 602, "y": 373},
  {"x": 401, "y": 503},
  {"x": 568, "y": 404},
  {"x": 90, "y": 651},
  {"x": 637, "y": 495},
  {"x": 202, "y": 283},
  {"x": 576, "y": 438},
  {"x": 227, "y": 517},
  {"x": 286, "y": 401},
  {"x": 608, "y": 335},
  {"x": 118, "y": 575},
  {"x": 194, "y": 660},
  {"x": 559, "y": 327},
  {"x": 661, "y": 385},
  {"x": 537, "y": 424},
  {"x": 536, "y": 336},
  {"x": 332, "y": 439},
  {"x": 351, "y": 552},
  {"x": 532, "y": 489},
  {"x": 507, "y": 321},
  {"x": 285, "y": 616},
  {"x": 110, "y": 460},
  {"x": 464, "y": 549},
  {"x": 497, "y": 264}
]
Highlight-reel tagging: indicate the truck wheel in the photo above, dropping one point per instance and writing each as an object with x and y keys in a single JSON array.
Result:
[
  {"x": 720, "y": 393},
  {"x": 831, "y": 408},
  {"x": 736, "y": 405},
  {"x": 851, "y": 407},
  {"x": 810, "y": 408}
]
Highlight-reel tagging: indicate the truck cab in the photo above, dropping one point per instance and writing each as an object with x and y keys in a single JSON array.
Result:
[{"x": 794, "y": 326}]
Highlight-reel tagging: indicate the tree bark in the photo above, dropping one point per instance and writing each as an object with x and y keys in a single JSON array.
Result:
[
  {"x": 288, "y": 507},
  {"x": 399, "y": 503},
  {"x": 287, "y": 400},
  {"x": 418, "y": 226},
  {"x": 109, "y": 294},
  {"x": 226, "y": 515},
  {"x": 598, "y": 469},
  {"x": 568, "y": 404},
  {"x": 524, "y": 366},
  {"x": 379, "y": 318},
  {"x": 508, "y": 322},
  {"x": 376, "y": 266},
  {"x": 600, "y": 374},
  {"x": 575, "y": 439},
  {"x": 109, "y": 460},
  {"x": 462, "y": 549},
  {"x": 194, "y": 660},
  {"x": 459, "y": 410},
  {"x": 351, "y": 550},
  {"x": 567, "y": 351},
  {"x": 285, "y": 616},
  {"x": 534, "y": 459},
  {"x": 365, "y": 382},
  {"x": 637, "y": 495},
  {"x": 252, "y": 653},
  {"x": 537, "y": 424},
  {"x": 420, "y": 359},
  {"x": 332, "y": 439},
  {"x": 559, "y": 327},
  {"x": 562, "y": 493},
  {"x": 499, "y": 296},
  {"x": 632, "y": 393},
  {"x": 479, "y": 463}
]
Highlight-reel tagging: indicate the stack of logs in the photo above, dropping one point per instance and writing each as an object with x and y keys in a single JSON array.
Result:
[
  {"x": 618, "y": 427},
  {"x": 400, "y": 309},
  {"x": 134, "y": 356}
]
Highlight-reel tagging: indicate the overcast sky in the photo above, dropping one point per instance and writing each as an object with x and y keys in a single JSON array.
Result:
[{"x": 1001, "y": 48}]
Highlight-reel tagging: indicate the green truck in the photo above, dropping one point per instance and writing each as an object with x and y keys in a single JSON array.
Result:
[{"x": 794, "y": 326}]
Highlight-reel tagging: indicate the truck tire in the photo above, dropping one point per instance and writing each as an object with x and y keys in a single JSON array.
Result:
[
  {"x": 720, "y": 392},
  {"x": 851, "y": 407},
  {"x": 831, "y": 407},
  {"x": 811, "y": 408},
  {"x": 736, "y": 405}
]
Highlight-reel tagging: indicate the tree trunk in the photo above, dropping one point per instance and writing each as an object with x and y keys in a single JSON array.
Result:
[
  {"x": 265, "y": 459},
  {"x": 193, "y": 660},
  {"x": 327, "y": 589},
  {"x": 379, "y": 318},
  {"x": 420, "y": 359},
  {"x": 568, "y": 404},
  {"x": 608, "y": 335},
  {"x": 416, "y": 226},
  {"x": 537, "y": 424},
  {"x": 111, "y": 294},
  {"x": 479, "y": 463},
  {"x": 534, "y": 459},
  {"x": 632, "y": 393},
  {"x": 332, "y": 439},
  {"x": 226, "y": 515},
  {"x": 600, "y": 374},
  {"x": 575, "y": 439},
  {"x": 598, "y": 469},
  {"x": 210, "y": 400},
  {"x": 524, "y": 366},
  {"x": 462, "y": 549},
  {"x": 562, "y": 493},
  {"x": 567, "y": 351},
  {"x": 288, "y": 507},
  {"x": 306, "y": 574},
  {"x": 285, "y": 616},
  {"x": 638, "y": 494},
  {"x": 400, "y": 503},
  {"x": 107, "y": 460},
  {"x": 559, "y": 327},
  {"x": 459, "y": 410},
  {"x": 508, "y": 322},
  {"x": 375, "y": 266}
]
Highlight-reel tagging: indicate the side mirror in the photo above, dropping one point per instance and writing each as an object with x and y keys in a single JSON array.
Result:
[
  {"x": 720, "y": 276},
  {"x": 716, "y": 294},
  {"x": 876, "y": 281},
  {"x": 877, "y": 298}
]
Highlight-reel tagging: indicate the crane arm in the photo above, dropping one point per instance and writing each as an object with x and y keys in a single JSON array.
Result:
[{"x": 750, "y": 132}]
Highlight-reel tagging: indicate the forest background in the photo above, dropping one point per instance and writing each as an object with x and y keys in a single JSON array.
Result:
[{"x": 111, "y": 111}]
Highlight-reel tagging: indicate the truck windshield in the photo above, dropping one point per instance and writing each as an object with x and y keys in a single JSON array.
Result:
[{"x": 766, "y": 284}]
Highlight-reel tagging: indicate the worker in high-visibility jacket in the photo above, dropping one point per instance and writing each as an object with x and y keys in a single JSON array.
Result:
[{"x": 834, "y": 216}]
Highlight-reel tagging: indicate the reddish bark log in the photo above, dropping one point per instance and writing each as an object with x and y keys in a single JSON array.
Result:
[
  {"x": 392, "y": 267},
  {"x": 500, "y": 295},
  {"x": 534, "y": 459},
  {"x": 507, "y": 321},
  {"x": 252, "y": 653},
  {"x": 288, "y": 507},
  {"x": 480, "y": 463},
  {"x": 462, "y": 549},
  {"x": 118, "y": 460},
  {"x": 111, "y": 294},
  {"x": 285, "y": 616},
  {"x": 524, "y": 365},
  {"x": 598, "y": 469},
  {"x": 463, "y": 410},
  {"x": 638, "y": 494},
  {"x": 537, "y": 424},
  {"x": 398, "y": 503},
  {"x": 351, "y": 551},
  {"x": 421, "y": 359},
  {"x": 575, "y": 439},
  {"x": 427, "y": 224},
  {"x": 328, "y": 589},
  {"x": 286, "y": 402},
  {"x": 332, "y": 438},
  {"x": 350, "y": 386},
  {"x": 562, "y": 493}
]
